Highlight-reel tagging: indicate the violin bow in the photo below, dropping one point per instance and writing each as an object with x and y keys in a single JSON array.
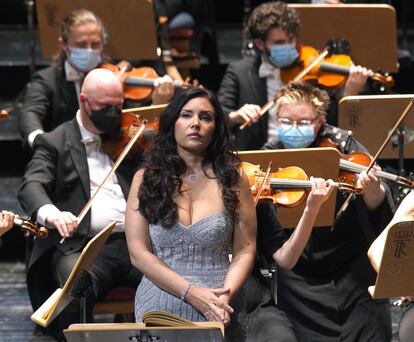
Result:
[
  {"x": 118, "y": 161},
  {"x": 317, "y": 60},
  {"x": 380, "y": 150},
  {"x": 269, "y": 104},
  {"x": 391, "y": 133},
  {"x": 259, "y": 192},
  {"x": 137, "y": 110}
]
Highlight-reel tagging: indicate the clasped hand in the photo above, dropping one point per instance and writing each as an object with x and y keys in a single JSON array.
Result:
[{"x": 212, "y": 303}]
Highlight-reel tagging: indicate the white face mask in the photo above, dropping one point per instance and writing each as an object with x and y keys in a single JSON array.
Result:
[{"x": 84, "y": 59}]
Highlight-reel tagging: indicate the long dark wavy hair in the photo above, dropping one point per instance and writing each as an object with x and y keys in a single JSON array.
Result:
[{"x": 164, "y": 166}]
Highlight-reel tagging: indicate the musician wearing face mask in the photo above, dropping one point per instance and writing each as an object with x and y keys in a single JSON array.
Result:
[
  {"x": 325, "y": 293},
  {"x": 68, "y": 166},
  {"x": 52, "y": 97},
  {"x": 253, "y": 81}
]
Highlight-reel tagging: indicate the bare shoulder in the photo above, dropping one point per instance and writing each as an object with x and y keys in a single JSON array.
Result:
[
  {"x": 139, "y": 175},
  {"x": 138, "y": 178},
  {"x": 243, "y": 180}
]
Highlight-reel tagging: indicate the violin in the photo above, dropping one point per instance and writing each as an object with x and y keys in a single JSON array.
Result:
[
  {"x": 131, "y": 121},
  {"x": 140, "y": 128},
  {"x": 138, "y": 83},
  {"x": 352, "y": 164},
  {"x": 331, "y": 72},
  {"x": 327, "y": 69},
  {"x": 286, "y": 187},
  {"x": 29, "y": 228}
]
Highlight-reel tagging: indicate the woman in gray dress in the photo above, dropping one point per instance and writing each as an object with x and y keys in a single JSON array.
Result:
[{"x": 189, "y": 208}]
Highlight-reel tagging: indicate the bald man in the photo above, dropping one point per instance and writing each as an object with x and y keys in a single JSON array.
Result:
[{"x": 68, "y": 166}]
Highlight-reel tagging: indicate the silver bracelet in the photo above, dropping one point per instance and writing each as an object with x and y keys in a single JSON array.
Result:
[{"x": 185, "y": 291}]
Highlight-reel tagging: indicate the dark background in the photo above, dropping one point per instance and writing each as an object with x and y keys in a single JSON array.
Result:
[{"x": 227, "y": 26}]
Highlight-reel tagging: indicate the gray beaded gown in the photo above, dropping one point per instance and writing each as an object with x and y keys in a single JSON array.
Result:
[{"x": 199, "y": 253}]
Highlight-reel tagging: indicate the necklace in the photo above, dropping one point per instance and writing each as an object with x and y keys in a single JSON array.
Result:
[{"x": 192, "y": 175}]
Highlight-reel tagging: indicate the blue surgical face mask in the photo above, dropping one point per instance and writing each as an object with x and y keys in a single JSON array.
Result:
[
  {"x": 283, "y": 55},
  {"x": 295, "y": 137},
  {"x": 84, "y": 59}
]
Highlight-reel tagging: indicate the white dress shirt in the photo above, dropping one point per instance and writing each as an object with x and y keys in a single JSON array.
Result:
[
  {"x": 74, "y": 76},
  {"x": 273, "y": 83},
  {"x": 110, "y": 203}
]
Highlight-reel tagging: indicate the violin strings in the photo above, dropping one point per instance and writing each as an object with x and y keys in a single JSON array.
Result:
[{"x": 354, "y": 167}]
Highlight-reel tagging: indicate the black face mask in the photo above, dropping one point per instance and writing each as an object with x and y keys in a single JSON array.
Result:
[{"x": 106, "y": 119}]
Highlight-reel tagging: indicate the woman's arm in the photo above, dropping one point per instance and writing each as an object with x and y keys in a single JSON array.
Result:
[
  {"x": 373, "y": 192},
  {"x": 139, "y": 245},
  {"x": 288, "y": 255},
  {"x": 406, "y": 207},
  {"x": 244, "y": 240}
]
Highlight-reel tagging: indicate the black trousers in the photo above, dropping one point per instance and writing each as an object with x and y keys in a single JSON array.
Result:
[
  {"x": 266, "y": 322},
  {"x": 112, "y": 267},
  {"x": 332, "y": 309}
]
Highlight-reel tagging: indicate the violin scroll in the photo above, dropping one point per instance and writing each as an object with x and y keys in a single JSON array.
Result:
[
  {"x": 384, "y": 79},
  {"x": 29, "y": 228}
]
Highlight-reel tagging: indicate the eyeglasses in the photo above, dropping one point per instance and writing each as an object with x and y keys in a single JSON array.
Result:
[{"x": 299, "y": 124}]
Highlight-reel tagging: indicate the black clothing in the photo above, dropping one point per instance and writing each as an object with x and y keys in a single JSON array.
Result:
[
  {"x": 58, "y": 174},
  {"x": 325, "y": 295},
  {"x": 266, "y": 322},
  {"x": 49, "y": 101},
  {"x": 111, "y": 268},
  {"x": 241, "y": 84}
]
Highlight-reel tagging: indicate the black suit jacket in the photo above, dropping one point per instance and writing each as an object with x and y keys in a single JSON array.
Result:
[
  {"x": 49, "y": 100},
  {"x": 58, "y": 174},
  {"x": 241, "y": 84}
]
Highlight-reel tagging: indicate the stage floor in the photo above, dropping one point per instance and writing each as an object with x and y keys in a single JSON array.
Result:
[{"x": 15, "y": 309}]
